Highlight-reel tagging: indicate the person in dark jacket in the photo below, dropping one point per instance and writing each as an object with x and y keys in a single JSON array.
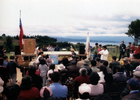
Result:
[
  {"x": 122, "y": 50},
  {"x": 133, "y": 84},
  {"x": 11, "y": 66}
]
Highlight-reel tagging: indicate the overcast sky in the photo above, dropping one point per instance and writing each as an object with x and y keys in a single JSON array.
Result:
[{"x": 68, "y": 17}]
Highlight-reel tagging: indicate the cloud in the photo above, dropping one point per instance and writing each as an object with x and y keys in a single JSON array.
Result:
[
  {"x": 68, "y": 17},
  {"x": 126, "y": 17}
]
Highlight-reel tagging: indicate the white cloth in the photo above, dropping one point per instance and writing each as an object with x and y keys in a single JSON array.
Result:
[
  {"x": 96, "y": 89},
  {"x": 104, "y": 54},
  {"x": 101, "y": 74},
  {"x": 37, "y": 60}
]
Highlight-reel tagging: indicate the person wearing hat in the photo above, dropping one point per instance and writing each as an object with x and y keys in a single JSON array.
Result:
[
  {"x": 11, "y": 66},
  {"x": 95, "y": 51},
  {"x": 104, "y": 53},
  {"x": 126, "y": 91},
  {"x": 87, "y": 66},
  {"x": 122, "y": 50},
  {"x": 73, "y": 52},
  {"x": 133, "y": 85},
  {"x": 61, "y": 67},
  {"x": 84, "y": 91}
]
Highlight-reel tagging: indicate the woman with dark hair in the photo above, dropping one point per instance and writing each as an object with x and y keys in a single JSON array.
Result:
[
  {"x": 68, "y": 81},
  {"x": 102, "y": 73},
  {"x": 36, "y": 79},
  {"x": 109, "y": 86},
  {"x": 65, "y": 62},
  {"x": 43, "y": 69},
  {"x": 27, "y": 91},
  {"x": 96, "y": 88},
  {"x": 49, "y": 60}
]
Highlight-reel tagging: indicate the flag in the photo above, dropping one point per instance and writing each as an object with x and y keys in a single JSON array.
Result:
[
  {"x": 88, "y": 46},
  {"x": 21, "y": 35}
]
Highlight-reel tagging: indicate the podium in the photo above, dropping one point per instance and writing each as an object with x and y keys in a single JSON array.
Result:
[{"x": 29, "y": 46}]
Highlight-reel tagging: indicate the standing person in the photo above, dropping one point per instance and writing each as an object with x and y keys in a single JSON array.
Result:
[
  {"x": 104, "y": 53},
  {"x": 95, "y": 50},
  {"x": 122, "y": 50},
  {"x": 73, "y": 52},
  {"x": 57, "y": 48},
  {"x": 11, "y": 66},
  {"x": 25, "y": 65},
  {"x": 137, "y": 51},
  {"x": 99, "y": 49},
  {"x": 43, "y": 69},
  {"x": 133, "y": 47},
  {"x": 5, "y": 62},
  {"x": 128, "y": 49}
]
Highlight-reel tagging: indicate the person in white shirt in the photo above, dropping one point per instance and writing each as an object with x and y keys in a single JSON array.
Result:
[{"x": 104, "y": 53}]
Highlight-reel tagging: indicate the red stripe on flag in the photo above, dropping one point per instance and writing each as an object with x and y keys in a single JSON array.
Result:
[{"x": 21, "y": 35}]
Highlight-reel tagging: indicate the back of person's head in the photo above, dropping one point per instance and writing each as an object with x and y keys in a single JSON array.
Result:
[
  {"x": 65, "y": 60},
  {"x": 64, "y": 75},
  {"x": 94, "y": 78},
  {"x": 55, "y": 77},
  {"x": 73, "y": 62},
  {"x": 47, "y": 56},
  {"x": 84, "y": 91},
  {"x": 98, "y": 59},
  {"x": 120, "y": 68},
  {"x": 42, "y": 61},
  {"x": 40, "y": 53},
  {"x": 32, "y": 70},
  {"x": 1, "y": 61},
  {"x": 108, "y": 78},
  {"x": 133, "y": 83},
  {"x": 12, "y": 57},
  {"x": 12, "y": 92},
  {"x": 26, "y": 58},
  {"x": 103, "y": 69},
  {"x": 93, "y": 63},
  {"x": 105, "y": 63},
  {"x": 5, "y": 57},
  {"x": 136, "y": 56},
  {"x": 83, "y": 72},
  {"x": 114, "y": 57},
  {"x": 101, "y": 61},
  {"x": 102, "y": 97},
  {"x": 26, "y": 83},
  {"x": 52, "y": 66}
]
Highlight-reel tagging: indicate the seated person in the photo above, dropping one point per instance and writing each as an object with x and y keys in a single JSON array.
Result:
[
  {"x": 84, "y": 91},
  {"x": 58, "y": 90},
  {"x": 134, "y": 92},
  {"x": 96, "y": 88}
]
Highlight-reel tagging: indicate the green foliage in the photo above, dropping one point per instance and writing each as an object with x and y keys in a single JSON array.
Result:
[
  {"x": 8, "y": 44},
  {"x": 134, "y": 29}
]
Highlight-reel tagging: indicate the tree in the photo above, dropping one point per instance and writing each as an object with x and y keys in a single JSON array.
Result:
[
  {"x": 134, "y": 30},
  {"x": 9, "y": 44}
]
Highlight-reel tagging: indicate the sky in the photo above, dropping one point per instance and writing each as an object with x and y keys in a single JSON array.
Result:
[{"x": 68, "y": 17}]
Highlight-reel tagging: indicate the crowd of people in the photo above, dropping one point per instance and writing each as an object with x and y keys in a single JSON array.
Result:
[{"x": 74, "y": 78}]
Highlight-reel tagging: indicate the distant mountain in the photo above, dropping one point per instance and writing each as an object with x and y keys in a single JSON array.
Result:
[{"x": 95, "y": 39}]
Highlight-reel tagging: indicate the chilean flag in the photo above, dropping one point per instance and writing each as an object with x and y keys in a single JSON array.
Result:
[{"x": 21, "y": 42}]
